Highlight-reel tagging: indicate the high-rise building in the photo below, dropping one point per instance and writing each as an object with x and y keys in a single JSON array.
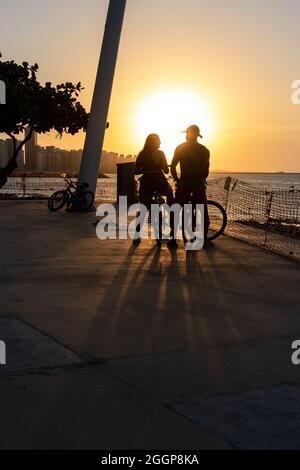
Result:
[
  {"x": 3, "y": 153},
  {"x": 6, "y": 151},
  {"x": 53, "y": 159},
  {"x": 31, "y": 153}
]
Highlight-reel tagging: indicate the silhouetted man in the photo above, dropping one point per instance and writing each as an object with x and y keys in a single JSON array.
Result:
[{"x": 193, "y": 159}]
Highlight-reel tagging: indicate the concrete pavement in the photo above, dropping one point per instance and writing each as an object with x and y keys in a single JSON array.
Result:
[{"x": 104, "y": 340}]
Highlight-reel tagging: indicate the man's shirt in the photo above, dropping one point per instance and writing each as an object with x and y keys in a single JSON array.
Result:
[{"x": 193, "y": 159}]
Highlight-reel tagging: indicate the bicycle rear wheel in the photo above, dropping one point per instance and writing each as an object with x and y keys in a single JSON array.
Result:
[
  {"x": 82, "y": 201},
  {"x": 57, "y": 200},
  {"x": 217, "y": 219}
]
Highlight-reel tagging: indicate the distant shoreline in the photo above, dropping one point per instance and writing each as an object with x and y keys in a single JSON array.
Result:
[
  {"x": 256, "y": 172},
  {"x": 54, "y": 174},
  {"x": 47, "y": 174}
]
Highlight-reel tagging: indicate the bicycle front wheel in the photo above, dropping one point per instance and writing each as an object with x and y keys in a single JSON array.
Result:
[
  {"x": 57, "y": 200},
  {"x": 217, "y": 219}
]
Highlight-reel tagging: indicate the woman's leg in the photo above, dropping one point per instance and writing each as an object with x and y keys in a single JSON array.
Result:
[
  {"x": 199, "y": 197},
  {"x": 168, "y": 192},
  {"x": 145, "y": 199}
]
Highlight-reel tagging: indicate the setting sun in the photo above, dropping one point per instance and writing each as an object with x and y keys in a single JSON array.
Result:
[{"x": 167, "y": 113}]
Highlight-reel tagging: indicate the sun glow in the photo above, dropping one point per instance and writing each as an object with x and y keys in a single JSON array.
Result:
[{"x": 167, "y": 113}]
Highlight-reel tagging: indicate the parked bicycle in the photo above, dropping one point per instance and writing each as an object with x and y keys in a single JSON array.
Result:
[{"x": 75, "y": 197}]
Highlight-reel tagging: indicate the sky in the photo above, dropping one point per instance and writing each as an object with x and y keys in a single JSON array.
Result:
[{"x": 226, "y": 66}]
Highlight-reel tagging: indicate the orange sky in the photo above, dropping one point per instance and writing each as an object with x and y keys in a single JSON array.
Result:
[{"x": 236, "y": 59}]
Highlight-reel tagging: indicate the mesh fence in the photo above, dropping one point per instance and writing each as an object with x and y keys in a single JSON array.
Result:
[
  {"x": 267, "y": 217},
  {"x": 42, "y": 187}
]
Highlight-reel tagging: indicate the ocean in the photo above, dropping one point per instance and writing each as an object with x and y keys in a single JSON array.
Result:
[
  {"x": 263, "y": 180},
  {"x": 107, "y": 187},
  {"x": 271, "y": 180}
]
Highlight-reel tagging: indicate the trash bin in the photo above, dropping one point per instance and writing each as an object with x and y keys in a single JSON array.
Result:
[{"x": 126, "y": 181}]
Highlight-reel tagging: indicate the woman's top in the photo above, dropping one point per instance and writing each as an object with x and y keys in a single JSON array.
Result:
[
  {"x": 151, "y": 162},
  {"x": 152, "y": 166}
]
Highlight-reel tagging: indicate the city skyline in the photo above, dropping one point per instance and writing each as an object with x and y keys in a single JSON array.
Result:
[
  {"x": 240, "y": 81},
  {"x": 38, "y": 158}
]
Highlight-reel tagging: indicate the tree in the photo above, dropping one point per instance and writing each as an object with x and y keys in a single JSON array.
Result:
[{"x": 37, "y": 108}]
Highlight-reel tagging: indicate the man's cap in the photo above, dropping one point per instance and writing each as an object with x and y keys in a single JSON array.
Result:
[{"x": 194, "y": 129}]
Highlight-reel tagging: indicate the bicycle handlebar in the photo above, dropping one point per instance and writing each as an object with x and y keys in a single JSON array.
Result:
[
  {"x": 76, "y": 186},
  {"x": 69, "y": 181}
]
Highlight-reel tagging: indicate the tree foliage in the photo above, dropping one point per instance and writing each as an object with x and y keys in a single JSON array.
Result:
[{"x": 36, "y": 107}]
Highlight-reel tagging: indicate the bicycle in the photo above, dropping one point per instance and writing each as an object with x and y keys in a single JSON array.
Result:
[
  {"x": 75, "y": 197},
  {"x": 216, "y": 214}
]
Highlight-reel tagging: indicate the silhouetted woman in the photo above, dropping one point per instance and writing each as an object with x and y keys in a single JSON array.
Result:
[{"x": 152, "y": 164}]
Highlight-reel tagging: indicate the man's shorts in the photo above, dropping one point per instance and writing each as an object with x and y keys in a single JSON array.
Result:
[{"x": 186, "y": 194}]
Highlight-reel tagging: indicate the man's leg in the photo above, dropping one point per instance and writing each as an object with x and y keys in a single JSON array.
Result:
[
  {"x": 206, "y": 221},
  {"x": 182, "y": 196},
  {"x": 199, "y": 197},
  {"x": 203, "y": 199}
]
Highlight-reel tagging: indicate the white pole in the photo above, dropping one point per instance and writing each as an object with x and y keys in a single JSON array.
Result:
[{"x": 92, "y": 150}]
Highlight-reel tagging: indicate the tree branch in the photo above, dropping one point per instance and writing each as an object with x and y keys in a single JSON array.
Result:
[
  {"x": 14, "y": 143},
  {"x": 27, "y": 138}
]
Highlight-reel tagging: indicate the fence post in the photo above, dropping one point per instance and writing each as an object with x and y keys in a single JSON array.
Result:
[
  {"x": 24, "y": 184},
  {"x": 268, "y": 212},
  {"x": 227, "y": 185}
]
